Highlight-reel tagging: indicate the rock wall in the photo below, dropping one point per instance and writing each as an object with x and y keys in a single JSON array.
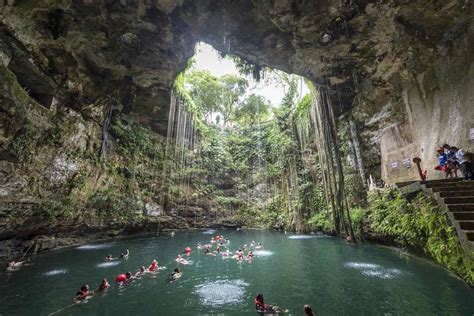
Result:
[{"x": 400, "y": 70}]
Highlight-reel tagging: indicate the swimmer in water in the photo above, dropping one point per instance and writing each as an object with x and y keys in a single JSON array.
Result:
[
  {"x": 264, "y": 309},
  {"x": 308, "y": 311},
  {"x": 199, "y": 245},
  {"x": 153, "y": 266},
  {"x": 83, "y": 294},
  {"x": 104, "y": 285},
  {"x": 181, "y": 260},
  {"x": 208, "y": 252},
  {"x": 110, "y": 258},
  {"x": 245, "y": 246},
  {"x": 239, "y": 255},
  {"x": 14, "y": 265},
  {"x": 250, "y": 255},
  {"x": 125, "y": 254},
  {"x": 175, "y": 275},
  {"x": 259, "y": 246},
  {"x": 142, "y": 270}
]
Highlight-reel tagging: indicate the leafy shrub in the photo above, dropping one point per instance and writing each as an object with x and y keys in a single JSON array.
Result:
[{"x": 420, "y": 224}]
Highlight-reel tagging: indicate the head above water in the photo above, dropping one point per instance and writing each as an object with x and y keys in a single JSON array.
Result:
[
  {"x": 129, "y": 275},
  {"x": 85, "y": 288},
  {"x": 308, "y": 311},
  {"x": 176, "y": 270}
]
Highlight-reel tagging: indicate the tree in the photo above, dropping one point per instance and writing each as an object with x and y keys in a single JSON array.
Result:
[
  {"x": 252, "y": 110},
  {"x": 205, "y": 90},
  {"x": 232, "y": 89}
]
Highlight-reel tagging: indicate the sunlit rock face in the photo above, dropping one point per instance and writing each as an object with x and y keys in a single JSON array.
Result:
[
  {"x": 396, "y": 66},
  {"x": 401, "y": 70}
]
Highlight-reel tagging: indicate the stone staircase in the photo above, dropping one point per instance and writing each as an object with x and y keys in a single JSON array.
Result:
[{"x": 456, "y": 196}]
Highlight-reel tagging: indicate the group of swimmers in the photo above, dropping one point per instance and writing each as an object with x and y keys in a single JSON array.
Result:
[
  {"x": 85, "y": 293},
  {"x": 222, "y": 242}
]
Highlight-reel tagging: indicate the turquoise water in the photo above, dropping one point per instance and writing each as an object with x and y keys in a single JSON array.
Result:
[{"x": 334, "y": 277}]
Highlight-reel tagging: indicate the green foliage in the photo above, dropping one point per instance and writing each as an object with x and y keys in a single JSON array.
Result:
[
  {"x": 134, "y": 140},
  {"x": 24, "y": 142},
  {"x": 420, "y": 224},
  {"x": 357, "y": 215},
  {"x": 321, "y": 221},
  {"x": 116, "y": 203},
  {"x": 56, "y": 208}
]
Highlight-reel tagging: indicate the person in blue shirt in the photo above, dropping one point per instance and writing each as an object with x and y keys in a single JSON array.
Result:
[{"x": 442, "y": 162}]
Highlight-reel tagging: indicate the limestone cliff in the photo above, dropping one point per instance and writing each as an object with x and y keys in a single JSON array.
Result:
[{"x": 400, "y": 70}]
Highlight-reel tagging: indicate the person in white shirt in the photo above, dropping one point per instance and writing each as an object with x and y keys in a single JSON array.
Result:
[{"x": 464, "y": 163}]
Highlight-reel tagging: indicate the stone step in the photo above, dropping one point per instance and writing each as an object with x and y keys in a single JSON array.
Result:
[
  {"x": 459, "y": 200},
  {"x": 458, "y": 193},
  {"x": 464, "y": 216},
  {"x": 466, "y": 225},
  {"x": 469, "y": 234},
  {"x": 455, "y": 184},
  {"x": 461, "y": 207},
  {"x": 405, "y": 183}
]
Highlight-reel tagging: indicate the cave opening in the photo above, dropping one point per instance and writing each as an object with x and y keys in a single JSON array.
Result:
[{"x": 234, "y": 136}]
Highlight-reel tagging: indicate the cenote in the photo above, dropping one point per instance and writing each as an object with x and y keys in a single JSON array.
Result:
[{"x": 336, "y": 278}]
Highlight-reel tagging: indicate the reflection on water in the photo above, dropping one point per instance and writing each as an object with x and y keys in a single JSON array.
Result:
[
  {"x": 209, "y": 232},
  {"x": 322, "y": 272},
  {"x": 95, "y": 247},
  {"x": 302, "y": 236},
  {"x": 108, "y": 264},
  {"x": 263, "y": 253},
  {"x": 222, "y": 292},
  {"x": 56, "y": 272},
  {"x": 374, "y": 270}
]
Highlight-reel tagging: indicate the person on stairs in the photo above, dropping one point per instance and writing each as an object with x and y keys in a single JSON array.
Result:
[{"x": 464, "y": 163}]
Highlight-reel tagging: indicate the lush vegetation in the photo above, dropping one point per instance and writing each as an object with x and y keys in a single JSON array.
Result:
[{"x": 420, "y": 224}]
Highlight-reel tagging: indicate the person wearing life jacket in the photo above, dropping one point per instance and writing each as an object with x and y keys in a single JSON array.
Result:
[
  {"x": 239, "y": 255},
  {"x": 187, "y": 251},
  {"x": 103, "y": 285},
  {"x": 260, "y": 306},
  {"x": 83, "y": 293},
  {"x": 123, "y": 277},
  {"x": 250, "y": 255},
  {"x": 153, "y": 266}
]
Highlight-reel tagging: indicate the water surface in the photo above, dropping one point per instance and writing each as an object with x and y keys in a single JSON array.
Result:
[{"x": 334, "y": 277}]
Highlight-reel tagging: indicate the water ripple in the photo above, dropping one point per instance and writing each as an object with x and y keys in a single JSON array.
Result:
[
  {"x": 222, "y": 292},
  {"x": 55, "y": 272},
  {"x": 374, "y": 270},
  {"x": 108, "y": 264},
  {"x": 94, "y": 247},
  {"x": 263, "y": 253}
]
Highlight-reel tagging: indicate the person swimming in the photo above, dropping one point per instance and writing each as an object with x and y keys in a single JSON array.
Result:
[
  {"x": 141, "y": 271},
  {"x": 124, "y": 277},
  {"x": 153, "y": 266},
  {"x": 83, "y": 294},
  {"x": 176, "y": 274},
  {"x": 239, "y": 255},
  {"x": 181, "y": 260},
  {"x": 208, "y": 252},
  {"x": 262, "y": 308},
  {"x": 259, "y": 246},
  {"x": 14, "y": 265},
  {"x": 250, "y": 255},
  {"x": 103, "y": 285},
  {"x": 199, "y": 246},
  {"x": 308, "y": 311},
  {"x": 110, "y": 258},
  {"x": 125, "y": 254}
]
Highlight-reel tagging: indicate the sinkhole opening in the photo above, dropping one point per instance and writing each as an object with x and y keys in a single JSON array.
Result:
[{"x": 235, "y": 139}]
